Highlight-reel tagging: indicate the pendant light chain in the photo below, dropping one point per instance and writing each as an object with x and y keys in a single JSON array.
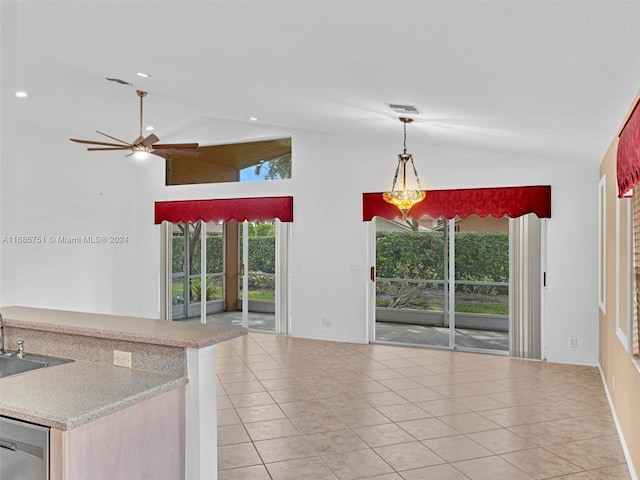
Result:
[{"x": 405, "y": 137}]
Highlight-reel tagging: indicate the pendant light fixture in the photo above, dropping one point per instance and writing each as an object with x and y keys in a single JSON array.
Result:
[{"x": 401, "y": 195}]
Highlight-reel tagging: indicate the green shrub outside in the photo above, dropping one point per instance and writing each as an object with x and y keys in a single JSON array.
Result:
[
  {"x": 480, "y": 256},
  {"x": 261, "y": 261},
  {"x": 421, "y": 256}
]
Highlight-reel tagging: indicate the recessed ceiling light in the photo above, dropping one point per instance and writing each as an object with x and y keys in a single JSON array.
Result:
[
  {"x": 21, "y": 94},
  {"x": 149, "y": 128},
  {"x": 253, "y": 119},
  {"x": 142, "y": 74}
]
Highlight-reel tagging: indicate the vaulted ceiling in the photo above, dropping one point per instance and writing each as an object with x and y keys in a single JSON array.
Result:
[{"x": 548, "y": 77}]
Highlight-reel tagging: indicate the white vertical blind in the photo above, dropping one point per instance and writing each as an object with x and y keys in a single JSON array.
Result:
[
  {"x": 166, "y": 277},
  {"x": 451, "y": 313},
  {"x": 525, "y": 281},
  {"x": 282, "y": 278},
  {"x": 203, "y": 272},
  {"x": 245, "y": 274}
]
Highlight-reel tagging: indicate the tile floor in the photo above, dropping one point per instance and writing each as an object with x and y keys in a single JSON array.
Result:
[{"x": 292, "y": 408}]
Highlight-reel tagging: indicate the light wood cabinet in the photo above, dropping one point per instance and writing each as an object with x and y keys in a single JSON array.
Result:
[{"x": 144, "y": 441}]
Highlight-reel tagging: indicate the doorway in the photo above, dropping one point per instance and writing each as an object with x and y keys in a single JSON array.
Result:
[
  {"x": 257, "y": 280},
  {"x": 251, "y": 257},
  {"x": 261, "y": 286},
  {"x": 443, "y": 283}
]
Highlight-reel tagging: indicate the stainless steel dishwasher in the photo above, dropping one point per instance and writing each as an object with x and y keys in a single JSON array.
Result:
[{"x": 24, "y": 450}]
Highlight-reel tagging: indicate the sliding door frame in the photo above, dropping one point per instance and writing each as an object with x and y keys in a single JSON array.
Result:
[
  {"x": 282, "y": 276},
  {"x": 450, "y": 284}
]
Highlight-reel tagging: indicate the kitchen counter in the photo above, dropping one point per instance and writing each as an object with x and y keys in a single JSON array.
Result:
[
  {"x": 67, "y": 396},
  {"x": 160, "y": 413},
  {"x": 115, "y": 327}
]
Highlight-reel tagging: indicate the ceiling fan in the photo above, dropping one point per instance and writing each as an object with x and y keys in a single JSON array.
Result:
[{"x": 143, "y": 146}]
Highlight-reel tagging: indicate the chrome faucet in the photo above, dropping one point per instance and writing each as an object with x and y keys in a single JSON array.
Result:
[{"x": 20, "y": 351}]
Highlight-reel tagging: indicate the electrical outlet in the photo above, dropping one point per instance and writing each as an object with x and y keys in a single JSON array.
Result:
[
  {"x": 122, "y": 359},
  {"x": 573, "y": 342}
]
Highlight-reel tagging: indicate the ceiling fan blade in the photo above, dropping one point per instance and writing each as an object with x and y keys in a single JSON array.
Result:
[
  {"x": 150, "y": 140},
  {"x": 107, "y": 148},
  {"x": 175, "y": 146},
  {"x": 113, "y": 138},
  {"x": 91, "y": 142}
]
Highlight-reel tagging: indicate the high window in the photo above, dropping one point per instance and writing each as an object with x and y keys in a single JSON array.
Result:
[{"x": 235, "y": 162}]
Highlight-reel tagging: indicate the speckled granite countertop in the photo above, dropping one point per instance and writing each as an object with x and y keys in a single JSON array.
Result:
[
  {"x": 67, "y": 396},
  {"x": 134, "y": 329}
]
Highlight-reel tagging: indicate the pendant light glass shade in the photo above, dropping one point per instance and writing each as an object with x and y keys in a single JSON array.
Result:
[{"x": 401, "y": 195}]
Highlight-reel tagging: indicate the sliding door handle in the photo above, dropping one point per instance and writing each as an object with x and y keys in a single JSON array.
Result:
[{"x": 373, "y": 274}]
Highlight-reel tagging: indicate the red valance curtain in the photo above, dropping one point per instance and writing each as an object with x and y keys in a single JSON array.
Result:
[
  {"x": 511, "y": 201},
  {"x": 628, "y": 159},
  {"x": 225, "y": 209}
]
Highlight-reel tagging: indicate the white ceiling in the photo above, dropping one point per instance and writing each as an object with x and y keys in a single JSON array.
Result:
[{"x": 545, "y": 78}]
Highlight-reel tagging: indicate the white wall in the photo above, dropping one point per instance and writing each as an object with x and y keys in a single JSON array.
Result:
[
  {"x": 64, "y": 191},
  {"x": 64, "y": 194},
  {"x": 8, "y": 130},
  {"x": 572, "y": 270}
]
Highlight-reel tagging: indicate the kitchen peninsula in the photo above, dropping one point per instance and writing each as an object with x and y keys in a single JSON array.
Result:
[{"x": 156, "y": 419}]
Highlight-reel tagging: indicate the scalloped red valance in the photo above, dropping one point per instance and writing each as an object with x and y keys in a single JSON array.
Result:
[
  {"x": 628, "y": 158},
  {"x": 498, "y": 202},
  {"x": 225, "y": 209}
]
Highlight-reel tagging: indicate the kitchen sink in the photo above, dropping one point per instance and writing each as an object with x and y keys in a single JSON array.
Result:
[{"x": 12, "y": 365}]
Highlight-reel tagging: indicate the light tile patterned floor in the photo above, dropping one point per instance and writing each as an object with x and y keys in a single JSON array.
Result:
[{"x": 296, "y": 409}]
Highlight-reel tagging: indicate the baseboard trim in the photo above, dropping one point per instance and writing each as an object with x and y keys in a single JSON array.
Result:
[
  {"x": 573, "y": 361},
  {"x": 625, "y": 449},
  {"x": 313, "y": 336}
]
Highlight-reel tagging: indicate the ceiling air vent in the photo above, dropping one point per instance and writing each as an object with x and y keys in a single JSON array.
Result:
[
  {"x": 121, "y": 82},
  {"x": 404, "y": 108}
]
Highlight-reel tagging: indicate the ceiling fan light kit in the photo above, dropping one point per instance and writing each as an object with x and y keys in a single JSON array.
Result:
[
  {"x": 142, "y": 146},
  {"x": 400, "y": 195}
]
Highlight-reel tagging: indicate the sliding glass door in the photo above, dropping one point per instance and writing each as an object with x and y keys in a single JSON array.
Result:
[
  {"x": 481, "y": 282},
  {"x": 411, "y": 284},
  {"x": 443, "y": 283},
  {"x": 257, "y": 282}
]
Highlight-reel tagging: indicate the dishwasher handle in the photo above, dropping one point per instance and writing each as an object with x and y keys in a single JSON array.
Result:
[
  {"x": 23, "y": 448},
  {"x": 9, "y": 445}
]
